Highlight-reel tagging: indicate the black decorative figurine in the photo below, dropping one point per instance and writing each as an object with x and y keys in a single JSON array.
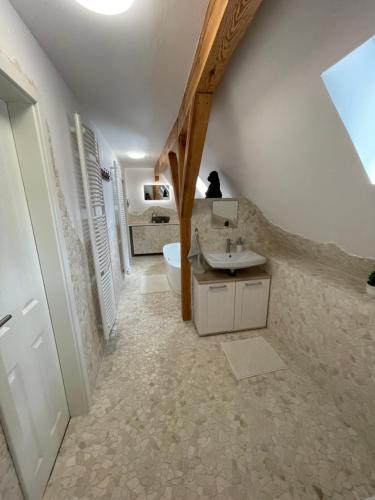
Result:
[{"x": 213, "y": 190}]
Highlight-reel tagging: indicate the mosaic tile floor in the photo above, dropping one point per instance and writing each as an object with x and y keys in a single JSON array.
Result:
[{"x": 169, "y": 421}]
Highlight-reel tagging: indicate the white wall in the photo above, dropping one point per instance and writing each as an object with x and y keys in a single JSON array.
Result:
[
  {"x": 227, "y": 187},
  {"x": 275, "y": 132},
  {"x": 135, "y": 179}
]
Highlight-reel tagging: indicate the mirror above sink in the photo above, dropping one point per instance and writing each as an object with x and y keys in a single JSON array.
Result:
[
  {"x": 224, "y": 214},
  {"x": 159, "y": 192}
]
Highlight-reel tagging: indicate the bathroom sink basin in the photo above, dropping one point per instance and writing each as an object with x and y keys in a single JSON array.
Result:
[
  {"x": 233, "y": 261},
  {"x": 160, "y": 219}
]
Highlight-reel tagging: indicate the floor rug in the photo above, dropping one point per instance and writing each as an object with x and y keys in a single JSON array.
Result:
[{"x": 154, "y": 283}]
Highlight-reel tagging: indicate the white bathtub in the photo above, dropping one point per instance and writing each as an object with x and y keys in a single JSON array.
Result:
[{"x": 172, "y": 260}]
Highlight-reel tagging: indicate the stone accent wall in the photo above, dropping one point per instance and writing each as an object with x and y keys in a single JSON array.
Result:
[
  {"x": 145, "y": 217},
  {"x": 9, "y": 485},
  {"x": 261, "y": 235},
  {"x": 150, "y": 238},
  {"x": 250, "y": 227},
  {"x": 84, "y": 285},
  {"x": 328, "y": 324},
  {"x": 318, "y": 308}
]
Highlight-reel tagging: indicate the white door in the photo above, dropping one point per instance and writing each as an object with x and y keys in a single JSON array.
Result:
[
  {"x": 251, "y": 304},
  {"x": 32, "y": 396}
]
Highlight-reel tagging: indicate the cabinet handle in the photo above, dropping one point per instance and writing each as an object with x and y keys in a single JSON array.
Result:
[
  {"x": 253, "y": 283},
  {"x": 217, "y": 287}
]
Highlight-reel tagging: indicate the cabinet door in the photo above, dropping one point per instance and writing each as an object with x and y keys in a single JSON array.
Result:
[
  {"x": 214, "y": 307},
  {"x": 251, "y": 304}
]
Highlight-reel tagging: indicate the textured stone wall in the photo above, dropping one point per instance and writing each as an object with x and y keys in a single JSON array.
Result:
[
  {"x": 318, "y": 308},
  {"x": 140, "y": 217},
  {"x": 150, "y": 239},
  {"x": 250, "y": 227},
  {"x": 84, "y": 285},
  {"x": 9, "y": 486},
  {"x": 261, "y": 235},
  {"x": 328, "y": 323}
]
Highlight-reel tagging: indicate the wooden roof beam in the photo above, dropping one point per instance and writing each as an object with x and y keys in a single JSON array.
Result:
[
  {"x": 224, "y": 26},
  {"x": 170, "y": 145}
]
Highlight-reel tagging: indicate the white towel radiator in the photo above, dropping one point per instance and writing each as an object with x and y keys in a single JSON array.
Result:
[{"x": 97, "y": 221}]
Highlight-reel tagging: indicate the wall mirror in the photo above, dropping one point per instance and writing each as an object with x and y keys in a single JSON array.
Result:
[
  {"x": 156, "y": 192},
  {"x": 224, "y": 213}
]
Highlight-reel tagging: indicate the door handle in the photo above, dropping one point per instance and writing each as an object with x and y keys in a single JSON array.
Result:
[
  {"x": 5, "y": 320},
  {"x": 217, "y": 287},
  {"x": 254, "y": 283}
]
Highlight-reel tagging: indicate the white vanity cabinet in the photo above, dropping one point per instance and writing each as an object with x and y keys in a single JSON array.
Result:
[{"x": 223, "y": 303}]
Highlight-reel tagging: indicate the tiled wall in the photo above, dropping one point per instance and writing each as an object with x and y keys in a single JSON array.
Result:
[
  {"x": 328, "y": 323},
  {"x": 145, "y": 216},
  {"x": 250, "y": 227},
  {"x": 84, "y": 287},
  {"x": 150, "y": 239},
  {"x": 9, "y": 487},
  {"x": 318, "y": 308},
  {"x": 261, "y": 235}
]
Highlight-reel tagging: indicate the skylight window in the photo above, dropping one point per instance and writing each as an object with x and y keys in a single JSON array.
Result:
[
  {"x": 201, "y": 187},
  {"x": 351, "y": 86}
]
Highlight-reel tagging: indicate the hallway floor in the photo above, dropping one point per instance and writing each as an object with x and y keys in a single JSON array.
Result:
[{"x": 169, "y": 421}]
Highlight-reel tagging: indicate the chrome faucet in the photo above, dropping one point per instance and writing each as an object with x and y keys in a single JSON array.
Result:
[{"x": 228, "y": 246}]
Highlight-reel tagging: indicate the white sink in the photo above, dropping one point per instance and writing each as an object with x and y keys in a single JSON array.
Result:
[{"x": 235, "y": 260}]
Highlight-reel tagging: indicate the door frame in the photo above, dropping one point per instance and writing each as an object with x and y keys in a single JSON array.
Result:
[{"x": 35, "y": 158}]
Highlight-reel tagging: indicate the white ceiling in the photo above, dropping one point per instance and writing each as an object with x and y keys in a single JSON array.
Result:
[{"x": 128, "y": 71}]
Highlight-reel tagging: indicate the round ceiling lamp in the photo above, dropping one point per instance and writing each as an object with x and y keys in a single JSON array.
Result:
[
  {"x": 107, "y": 7},
  {"x": 136, "y": 155}
]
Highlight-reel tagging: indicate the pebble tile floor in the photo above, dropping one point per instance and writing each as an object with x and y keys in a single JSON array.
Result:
[{"x": 169, "y": 421}]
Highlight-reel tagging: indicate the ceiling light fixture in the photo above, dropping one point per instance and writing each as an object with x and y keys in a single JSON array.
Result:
[
  {"x": 107, "y": 7},
  {"x": 136, "y": 155}
]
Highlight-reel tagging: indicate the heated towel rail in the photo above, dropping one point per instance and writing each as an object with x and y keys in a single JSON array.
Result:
[{"x": 97, "y": 221}]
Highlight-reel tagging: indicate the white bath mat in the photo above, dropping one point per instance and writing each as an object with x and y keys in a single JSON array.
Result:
[
  {"x": 154, "y": 283},
  {"x": 251, "y": 357}
]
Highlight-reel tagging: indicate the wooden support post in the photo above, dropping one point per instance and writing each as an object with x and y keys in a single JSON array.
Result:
[
  {"x": 173, "y": 163},
  {"x": 185, "y": 238},
  {"x": 181, "y": 161},
  {"x": 225, "y": 24},
  {"x": 198, "y": 124}
]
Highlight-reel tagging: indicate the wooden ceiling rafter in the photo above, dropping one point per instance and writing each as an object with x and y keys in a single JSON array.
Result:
[{"x": 225, "y": 24}]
